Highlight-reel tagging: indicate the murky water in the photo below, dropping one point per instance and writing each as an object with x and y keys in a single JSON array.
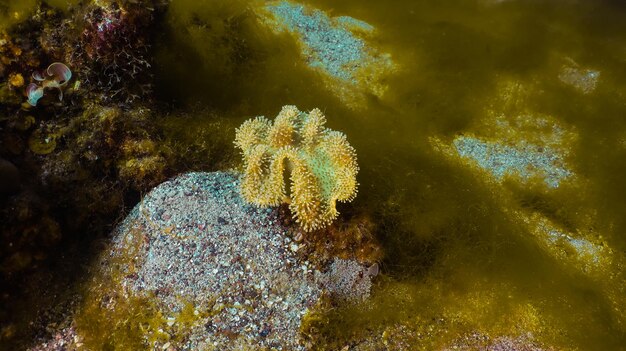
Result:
[
  {"x": 462, "y": 250},
  {"x": 455, "y": 244}
]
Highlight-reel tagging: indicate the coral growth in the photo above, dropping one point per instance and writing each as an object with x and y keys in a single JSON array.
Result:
[
  {"x": 14, "y": 55},
  {"x": 15, "y": 60},
  {"x": 320, "y": 161},
  {"x": 112, "y": 51}
]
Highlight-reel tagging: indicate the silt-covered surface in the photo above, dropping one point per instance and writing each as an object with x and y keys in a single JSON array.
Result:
[{"x": 491, "y": 141}]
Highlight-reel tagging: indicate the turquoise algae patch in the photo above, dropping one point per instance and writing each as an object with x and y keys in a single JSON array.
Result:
[
  {"x": 524, "y": 147},
  {"x": 524, "y": 160},
  {"x": 336, "y": 46},
  {"x": 583, "y": 250},
  {"x": 509, "y": 142},
  {"x": 582, "y": 79},
  {"x": 329, "y": 45},
  {"x": 529, "y": 149}
]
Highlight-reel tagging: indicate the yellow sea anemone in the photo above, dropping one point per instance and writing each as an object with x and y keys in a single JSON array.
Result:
[{"x": 319, "y": 162}]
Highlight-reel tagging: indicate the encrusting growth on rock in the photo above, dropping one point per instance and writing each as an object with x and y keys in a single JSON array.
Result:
[{"x": 320, "y": 162}]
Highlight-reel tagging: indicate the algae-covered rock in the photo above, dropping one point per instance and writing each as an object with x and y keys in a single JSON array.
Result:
[
  {"x": 8, "y": 95},
  {"x": 42, "y": 143},
  {"x": 141, "y": 162},
  {"x": 478, "y": 341},
  {"x": 523, "y": 148},
  {"x": 341, "y": 48},
  {"x": 215, "y": 272},
  {"x": 526, "y": 161},
  {"x": 584, "y": 80},
  {"x": 531, "y": 150}
]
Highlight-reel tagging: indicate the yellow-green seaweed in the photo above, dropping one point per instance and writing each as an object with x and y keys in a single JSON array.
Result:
[{"x": 459, "y": 255}]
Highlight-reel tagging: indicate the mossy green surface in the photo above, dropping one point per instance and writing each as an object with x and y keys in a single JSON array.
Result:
[
  {"x": 110, "y": 319},
  {"x": 15, "y": 11},
  {"x": 12, "y": 12},
  {"x": 459, "y": 257},
  {"x": 455, "y": 248}
]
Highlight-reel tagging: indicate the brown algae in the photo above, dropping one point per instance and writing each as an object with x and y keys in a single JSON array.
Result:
[
  {"x": 455, "y": 253},
  {"x": 518, "y": 251}
]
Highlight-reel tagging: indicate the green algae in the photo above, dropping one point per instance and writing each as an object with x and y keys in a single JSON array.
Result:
[
  {"x": 201, "y": 140},
  {"x": 42, "y": 143},
  {"x": 109, "y": 318},
  {"x": 456, "y": 249},
  {"x": 62, "y": 4},
  {"x": 460, "y": 257},
  {"x": 13, "y": 12}
]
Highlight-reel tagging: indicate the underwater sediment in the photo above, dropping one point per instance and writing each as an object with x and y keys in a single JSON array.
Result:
[
  {"x": 490, "y": 138},
  {"x": 218, "y": 273}
]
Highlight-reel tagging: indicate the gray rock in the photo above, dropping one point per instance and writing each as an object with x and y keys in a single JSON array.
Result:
[
  {"x": 330, "y": 45},
  {"x": 340, "y": 48},
  {"x": 193, "y": 239},
  {"x": 525, "y": 160},
  {"x": 348, "y": 280}
]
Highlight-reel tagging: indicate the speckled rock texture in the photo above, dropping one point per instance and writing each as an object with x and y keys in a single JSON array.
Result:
[
  {"x": 343, "y": 49},
  {"x": 477, "y": 341},
  {"x": 63, "y": 340},
  {"x": 194, "y": 240},
  {"x": 200, "y": 243},
  {"x": 221, "y": 274},
  {"x": 525, "y": 160}
]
